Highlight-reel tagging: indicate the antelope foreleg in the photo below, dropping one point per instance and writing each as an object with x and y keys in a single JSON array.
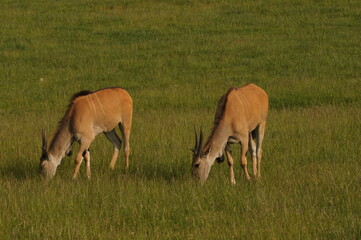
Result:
[
  {"x": 230, "y": 164},
  {"x": 84, "y": 146},
  {"x": 87, "y": 161},
  {"x": 78, "y": 160}
]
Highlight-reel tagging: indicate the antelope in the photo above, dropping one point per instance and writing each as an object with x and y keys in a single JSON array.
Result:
[
  {"x": 240, "y": 118},
  {"x": 88, "y": 114}
]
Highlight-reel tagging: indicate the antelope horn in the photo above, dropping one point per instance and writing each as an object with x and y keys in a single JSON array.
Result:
[
  {"x": 196, "y": 145},
  {"x": 200, "y": 142},
  {"x": 45, "y": 144}
]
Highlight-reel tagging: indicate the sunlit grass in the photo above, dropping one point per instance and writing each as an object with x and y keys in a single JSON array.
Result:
[{"x": 176, "y": 58}]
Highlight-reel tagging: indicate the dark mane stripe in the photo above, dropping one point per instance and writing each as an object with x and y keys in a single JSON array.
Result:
[
  {"x": 79, "y": 94},
  {"x": 221, "y": 108},
  {"x": 66, "y": 116}
]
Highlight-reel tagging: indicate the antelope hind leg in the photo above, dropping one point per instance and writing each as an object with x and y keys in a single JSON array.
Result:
[
  {"x": 125, "y": 129},
  {"x": 252, "y": 150},
  {"x": 260, "y": 136},
  {"x": 113, "y": 138}
]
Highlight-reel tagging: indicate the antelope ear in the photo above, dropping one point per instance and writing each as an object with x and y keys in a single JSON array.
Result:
[
  {"x": 69, "y": 153},
  {"x": 220, "y": 159}
]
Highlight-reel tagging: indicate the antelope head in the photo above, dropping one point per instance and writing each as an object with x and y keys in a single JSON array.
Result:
[
  {"x": 201, "y": 164},
  {"x": 47, "y": 167}
]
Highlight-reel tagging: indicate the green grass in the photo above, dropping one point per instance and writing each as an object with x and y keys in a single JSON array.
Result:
[{"x": 176, "y": 58}]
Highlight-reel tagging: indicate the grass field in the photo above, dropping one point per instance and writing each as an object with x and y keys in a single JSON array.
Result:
[{"x": 176, "y": 58}]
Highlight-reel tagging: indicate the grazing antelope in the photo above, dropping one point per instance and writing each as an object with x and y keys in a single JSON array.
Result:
[
  {"x": 240, "y": 118},
  {"x": 88, "y": 114}
]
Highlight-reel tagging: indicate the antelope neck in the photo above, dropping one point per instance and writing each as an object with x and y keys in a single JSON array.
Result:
[
  {"x": 60, "y": 144},
  {"x": 217, "y": 142}
]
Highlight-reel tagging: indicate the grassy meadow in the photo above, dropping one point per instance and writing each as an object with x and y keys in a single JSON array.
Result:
[{"x": 176, "y": 58}]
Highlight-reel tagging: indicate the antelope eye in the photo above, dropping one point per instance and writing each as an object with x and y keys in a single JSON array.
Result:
[{"x": 196, "y": 165}]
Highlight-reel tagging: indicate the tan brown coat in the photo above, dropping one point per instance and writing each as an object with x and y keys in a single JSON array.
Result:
[
  {"x": 88, "y": 114},
  {"x": 240, "y": 118}
]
